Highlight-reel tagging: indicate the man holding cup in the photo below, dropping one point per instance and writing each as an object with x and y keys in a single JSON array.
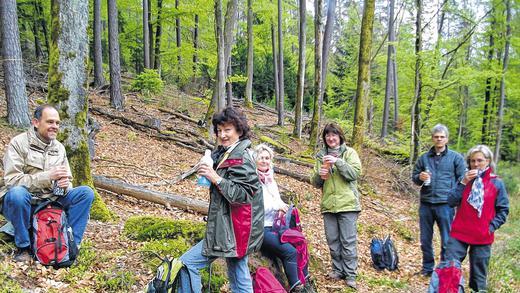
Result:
[
  {"x": 36, "y": 169},
  {"x": 437, "y": 172}
]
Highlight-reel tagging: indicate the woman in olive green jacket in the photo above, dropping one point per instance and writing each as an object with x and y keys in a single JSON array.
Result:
[{"x": 335, "y": 172}]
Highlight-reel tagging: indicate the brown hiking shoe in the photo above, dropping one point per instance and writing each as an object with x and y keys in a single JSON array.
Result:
[
  {"x": 22, "y": 255},
  {"x": 334, "y": 276},
  {"x": 352, "y": 284}
]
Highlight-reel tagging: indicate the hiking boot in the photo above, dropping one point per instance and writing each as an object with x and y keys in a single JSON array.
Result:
[
  {"x": 334, "y": 276},
  {"x": 298, "y": 289},
  {"x": 352, "y": 284},
  {"x": 22, "y": 255}
]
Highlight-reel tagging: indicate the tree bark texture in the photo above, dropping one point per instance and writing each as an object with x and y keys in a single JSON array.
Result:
[
  {"x": 416, "y": 105},
  {"x": 116, "y": 97},
  {"x": 14, "y": 78},
  {"x": 42, "y": 23},
  {"x": 67, "y": 80},
  {"x": 318, "y": 59},
  {"x": 281, "y": 96},
  {"x": 150, "y": 34},
  {"x": 500, "y": 114},
  {"x": 220, "y": 87},
  {"x": 146, "y": 35},
  {"x": 99, "y": 79},
  {"x": 195, "y": 45},
  {"x": 275, "y": 66},
  {"x": 178, "y": 33},
  {"x": 300, "y": 88},
  {"x": 327, "y": 41},
  {"x": 248, "y": 101},
  {"x": 229, "y": 41},
  {"x": 487, "y": 95},
  {"x": 363, "y": 82}
]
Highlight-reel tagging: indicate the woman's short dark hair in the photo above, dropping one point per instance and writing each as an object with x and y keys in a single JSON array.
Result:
[
  {"x": 333, "y": 128},
  {"x": 233, "y": 116}
]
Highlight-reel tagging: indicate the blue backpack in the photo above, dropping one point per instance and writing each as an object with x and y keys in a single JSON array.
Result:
[{"x": 383, "y": 253}]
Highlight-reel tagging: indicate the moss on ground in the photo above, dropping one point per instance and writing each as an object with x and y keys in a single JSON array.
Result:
[{"x": 145, "y": 228}]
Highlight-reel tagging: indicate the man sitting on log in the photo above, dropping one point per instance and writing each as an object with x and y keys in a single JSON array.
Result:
[{"x": 36, "y": 169}]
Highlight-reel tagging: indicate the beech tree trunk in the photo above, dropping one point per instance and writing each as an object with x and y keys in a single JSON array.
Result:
[
  {"x": 327, "y": 40},
  {"x": 229, "y": 41},
  {"x": 116, "y": 97},
  {"x": 363, "y": 82},
  {"x": 318, "y": 58},
  {"x": 14, "y": 78},
  {"x": 281, "y": 96},
  {"x": 220, "y": 88},
  {"x": 416, "y": 106},
  {"x": 300, "y": 88},
  {"x": 178, "y": 33},
  {"x": 195, "y": 46},
  {"x": 248, "y": 101},
  {"x": 99, "y": 79},
  {"x": 487, "y": 95},
  {"x": 500, "y": 115},
  {"x": 146, "y": 35},
  {"x": 67, "y": 78},
  {"x": 42, "y": 23},
  {"x": 275, "y": 66},
  {"x": 150, "y": 34}
]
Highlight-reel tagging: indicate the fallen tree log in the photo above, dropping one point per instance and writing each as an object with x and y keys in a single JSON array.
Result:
[
  {"x": 179, "y": 115},
  {"x": 167, "y": 199},
  {"x": 300, "y": 177}
]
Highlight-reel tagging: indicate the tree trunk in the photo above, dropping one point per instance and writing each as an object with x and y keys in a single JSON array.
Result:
[
  {"x": 195, "y": 46},
  {"x": 14, "y": 79},
  {"x": 416, "y": 105},
  {"x": 500, "y": 115},
  {"x": 221, "y": 64},
  {"x": 178, "y": 33},
  {"x": 248, "y": 101},
  {"x": 300, "y": 88},
  {"x": 275, "y": 66},
  {"x": 150, "y": 34},
  {"x": 487, "y": 95},
  {"x": 146, "y": 35},
  {"x": 318, "y": 58},
  {"x": 42, "y": 23},
  {"x": 389, "y": 69},
  {"x": 67, "y": 79},
  {"x": 229, "y": 41},
  {"x": 38, "y": 52},
  {"x": 463, "y": 116},
  {"x": 117, "y": 100},
  {"x": 158, "y": 35},
  {"x": 281, "y": 96},
  {"x": 363, "y": 82},
  {"x": 229, "y": 87},
  {"x": 327, "y": 40},
  {"x": 99, "y": 79}
]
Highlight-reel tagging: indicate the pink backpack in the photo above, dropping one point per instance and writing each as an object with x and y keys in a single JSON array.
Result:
[{"x": 265, "y": 282}]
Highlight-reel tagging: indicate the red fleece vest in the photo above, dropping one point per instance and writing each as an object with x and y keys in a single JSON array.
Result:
[{"x": 467, "y": 226}]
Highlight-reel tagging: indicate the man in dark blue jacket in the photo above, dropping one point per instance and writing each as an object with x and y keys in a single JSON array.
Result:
[{"x": 437, "y": 172}]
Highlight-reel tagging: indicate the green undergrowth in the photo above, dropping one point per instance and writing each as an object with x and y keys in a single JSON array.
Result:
[
  {"x": 504, "y": 268},
  {"x": 146, "y": 228},
  {"x": 7, "y": 284},
  {"x": 393, "y": 150},
  {"x": 115, "y": 280},
  {"x": 383, "y": 281}
]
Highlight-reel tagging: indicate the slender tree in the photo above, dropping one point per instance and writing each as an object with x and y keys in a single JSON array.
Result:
[
  {"x": 195, "y": 45},
  {"x": 14, "y": 79},
  {"x": 389, "y": 69},
  {"x": 42, "y": 23},
  {"x": 298, "y": 113},
  {"x": 416, "y": 105},
  {"x": 38, "y": 52},
  {"x": 116, "y": 97},
  {"x": 500, "y": 115},
  {"x": 178, "y": 32},
  {"x": 275, "y": 65},
  {"x": 488, "y": 91},
  {"x": 318, "y": 58},
  {"x": 99, "y": 79},
  {"x": 248, "y": 101},
  {"x": 363, "y": 82},
  {"x": 221, "y": 65},
  {"x": 150, "y": 34},
  {"x": 146, "y": 35},
  {"x": 229, "y": 41},
  {"x": 281, "y": 96},
  {"x": 67, "y": 79},
  {"x": 158, "y": 36},
  {"x": 327, "y": 41}
]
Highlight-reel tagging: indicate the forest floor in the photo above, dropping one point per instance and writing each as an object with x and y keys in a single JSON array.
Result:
[{"x": 138, "y": 157}]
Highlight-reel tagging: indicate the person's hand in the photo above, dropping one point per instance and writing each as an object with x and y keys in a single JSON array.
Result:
[
  {"x": 324, "y": 173},
  {"x": 470, "y": 175},
  {"x": 284, "y": 208},
  {"x": 424, "y": 176},
  {"x": 208, "y": 172},
  {"x": 63, "y": 182},
  {"x": 58, "y": 172},
  {"x": 330, "y": 159}
]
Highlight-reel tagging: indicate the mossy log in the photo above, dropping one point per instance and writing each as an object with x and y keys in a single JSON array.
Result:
[
  {"x": 297, "y": 176},
  {"x": 278, "y": 147},
  {"x": 167, "y": 199}
]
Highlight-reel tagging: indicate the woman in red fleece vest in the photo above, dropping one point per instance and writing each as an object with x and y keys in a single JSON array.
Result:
[{"x": 482, "y": 207}]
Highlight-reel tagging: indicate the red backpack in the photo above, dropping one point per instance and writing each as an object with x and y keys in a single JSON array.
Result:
[
  {"x": 52, "y": 240},
  {"x": 264, "y": 282}
]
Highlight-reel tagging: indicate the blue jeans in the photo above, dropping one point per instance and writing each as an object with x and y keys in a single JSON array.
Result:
[
  {"x": 17, "y": 209},
  {"x": 428, "y": 215},
  {"x": 478, "y": 261},
  {"x": 286, "y": 252},
  {"x": 238, "y": 271}
]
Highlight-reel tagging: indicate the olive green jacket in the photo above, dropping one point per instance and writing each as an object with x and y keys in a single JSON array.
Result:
[
  {"x": 340, "y": 192},
  {"x": 236, "y": 209},
  {"x": 27, "y": 162}
]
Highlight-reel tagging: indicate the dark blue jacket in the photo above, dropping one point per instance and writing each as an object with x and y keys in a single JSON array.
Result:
[{"x": 444, "y": 175}]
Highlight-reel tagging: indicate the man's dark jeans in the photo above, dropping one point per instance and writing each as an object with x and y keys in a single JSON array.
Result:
[{"x": 442, "y": 214}]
